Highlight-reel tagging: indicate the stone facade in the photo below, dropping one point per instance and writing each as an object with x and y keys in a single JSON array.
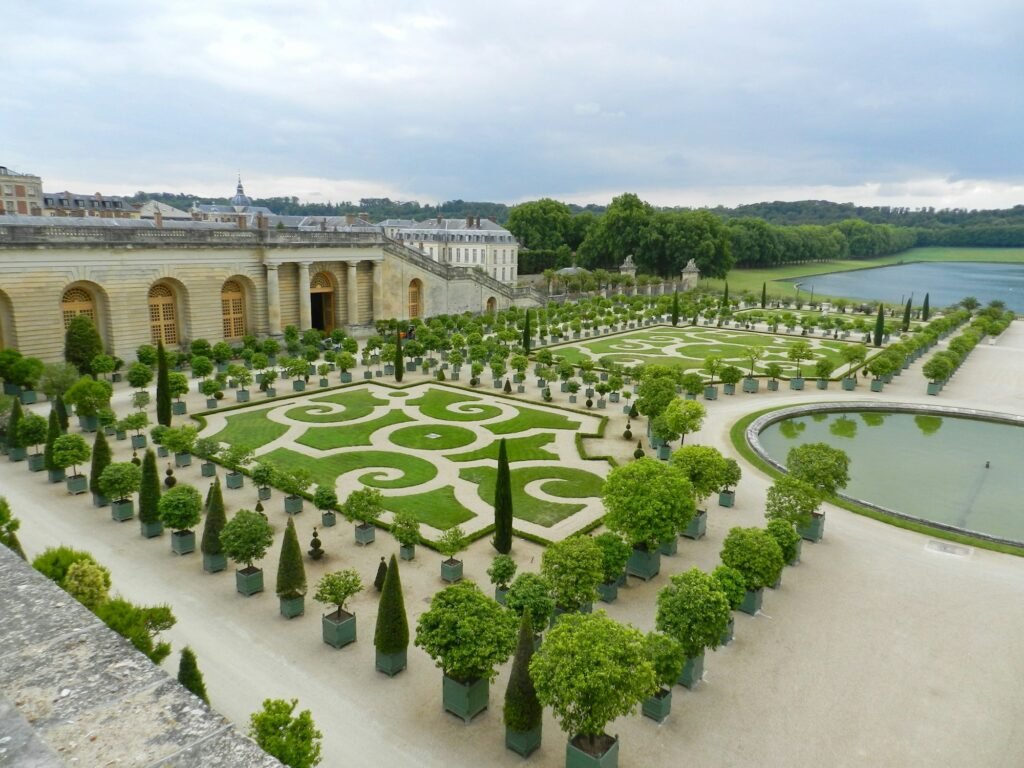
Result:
[
  {"x": 144, "y": 280},
  {"x": 20, "y": 193}
]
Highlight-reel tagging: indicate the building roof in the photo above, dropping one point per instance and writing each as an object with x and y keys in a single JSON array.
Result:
[
  {"x": 5, "y": 171},
  {"x": 149, "y": 208},
  {"x": 16, "y": 220},
  {"x": 468, "y": 224},
  {"x": 80, "y": 200}
]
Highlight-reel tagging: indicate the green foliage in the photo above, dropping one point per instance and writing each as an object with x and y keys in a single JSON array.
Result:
[
  {"x": 364, "y": 506},
  {"x": 119, "y": 480},
  {"x": 54, "y": 562},
  {"x": 9, "y": 525},
  {"x": 405, "y": 528},
  {"x": 88, "y": 582},
  {"x": 732, "y": 584},
  {"x": 246, "y": 537},
  {"x": 14, "y": 427},
  {"x": 58, "y": 378},
  {"x": 149, "y": 489},
  {"x": 140, "y": 625},
  {"x": 792, "y": 500},
  {"x": 503, "y": 503},
  {"x": 704, "y": 467},
  {"x": 799, "y": 352},
  {"x": 382, "y": 573},
  {"x": 785, "y": 536},
  {"x": 100, "y": 463},
  {"x": 755, "y": 554},
  {"x": 163, "y": 392},
  {"x": 291, "y": 573},
  {"x": 824, "y": 467},
  {"x": 573, "y": 568},
  {"x": 338, "y": 587},
  {"x": 180, "y": 508},
  {"x": 181, "y": 439},
  {"x": 62, "y": 413},
  {"x": 82, "y": 343},
  {"x": 879, "y": 326},
  {"x": 502, "y": 570},
  {"x": 694, "y": 610},
  {"x": 684, "y": 416},
  {"x": 591, "y": 670},
  {"x": 647, "y": 501},
  {"x": 654, "y": 395},
  {"x": 295, "y": 741},
  {"x": 399, "y": 357},
  {"x": 89, "y": 396},
  {"x": 925, "y": 308},
  {"x": 70, "y": 451},
  {"x": 293, "y": 481},
  {"x": 263, "y": 473},
  {"x": 523, "y": 712},
  {"x": 139, "y": 375},
  {"x": 451, "y": 542},
  {"x": 215, "y": 521},
  {"x": 466, "y": 633},
  {"x": 530, "y": 593},
  {"x": 391, "y": 634},
  {"x": 732, "y": 474},
  {"x": 190, "y": 676},
  {"x": 666, "y": 656},
  {"x": 615, "y": 554},
  {"x": 53, "y": 431},
  {"x": 177, "y": 384},
  {"x": 325, "y": 498}
]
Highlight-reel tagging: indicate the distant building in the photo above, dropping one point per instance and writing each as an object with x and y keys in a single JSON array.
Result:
[
  {"x": 81, "y": 205},
  {"x": 20, "y": 193},
  {"x": 239, "y": 209},
  {"x": 149, "y": 210},
  {"x": 470, "y": 242}
]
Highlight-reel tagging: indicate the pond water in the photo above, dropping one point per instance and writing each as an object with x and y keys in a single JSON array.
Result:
[
  {"x": 946, "y": 282},
  {"x": 928, "y": 466}
]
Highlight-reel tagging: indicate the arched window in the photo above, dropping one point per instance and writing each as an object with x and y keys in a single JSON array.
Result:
[
  {"x": 232, "y": 309},
  {"x": 492, "y": 305},
  {"x": 163, "y": 318},
  {"x": 415, "y": 298},
  {"x": 77, "y": 301}
]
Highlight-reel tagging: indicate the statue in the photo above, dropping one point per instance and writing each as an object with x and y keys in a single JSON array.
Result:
[
  {"x": 628, "y": 267},
  {"x": 689, "y": 276}
]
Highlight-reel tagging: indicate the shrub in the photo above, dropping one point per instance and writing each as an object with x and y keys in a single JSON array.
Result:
[
  {"x": 666, "y": 656},
  {"x": 391, "y": 634},
  {"x": 337, "y": 588},
  {"x": 732, "y": 584},
  {"x": 573, "y": 568},
  {"x": 523, "y": 712},
  {"x": 246, "y": 537},
  {"x": 140, "y": 625},
  {"x": 785, "y": 536},
  {"x": 364, "y": 506},
  {"x": 88, "y": 582},
  {"x": 530, "y": 593},
  {"x": 190, "y": 676},
  {"x": 502, "y": 569},
  {"x": 693, "y": 610},
  {"x": 120, "y": 480},
  {"x": 291, "y": 573},
  {"x": 180, "y": 508},
  {"x": 406, "y": 529},
  {"x": 295, "y": 741},
  {"x": 615, "y": 554},
  {"x": 82, "y": 343},
  {"x": 215, "y": 520},
  {"x": 755, "y": 554}
]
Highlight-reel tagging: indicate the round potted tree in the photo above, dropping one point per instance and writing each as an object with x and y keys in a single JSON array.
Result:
[
  {"x": 264, "y": 475},
  {"x": 788, "y": 540},
  {"x": 181, "y": 509},
  {"x": 181, "y": 441},
  {"x": 825, "y": 468},
  {"x": 467, "y": 634},
  {"x": 730, "y": 479},
  {"x": 591, "y": 670},
  {"x": 245, "y": 538},
  {"x": 449, "y": 545},
  {"x": 730, "y": 376},
  {"x": 118, "y": 482},
  {"x": 70, "y": 451},
  {"x": 293, "y": 482},
  {"x": 667, "y": 657},
  {"x": 712, "y": 365},
  {"x": 523, "y": 714},
  {"x": 693, "y": 609},
  {"x": 705, "y": 468},
  {"x": 207, "y": 450},
  {"x": 235, "y": 457},
  {"x": 363, "y": 507},
  {"x": 326, "y": 500},
  {"x": 135, "y": 422},
  {"x": 501, "y": 573},
  {"x": 730, "y": 581},
  {"x": 406, "y": 529},
  {"x": 757, "y": 556},
  {"x": 573, "y": 568},
  {"x": 391, "y": 635},
  {"x": 177, "y": 387},
  {"x": 798, "y": 352},
  {"x": 31, "y": 434},
  {"x": 823, "y": 370},
  {"x": 531, "y": 593},
  {"x": 773, "y": 371},
  {"x": 615, "y": 552},
  {"x": 291, "y": 575},
  {"x": 337, "y": 588}
]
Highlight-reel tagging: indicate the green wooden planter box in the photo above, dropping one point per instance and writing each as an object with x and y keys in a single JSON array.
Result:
[
  {"x": 693, "y": 672},
  {"x": 234, "y": 480},
  {"x": 465, "y": 700},
  {"x": 122, "y": 510},
  {"x": 727, "y": 498},
  {"x": 242, "y": 395},
  {"x": 822, "y": 383},
  {"x": 407, "y": 552},
  {"x": 292, "y": 504},
  {"x": 178, "y": 408},
  {"x": 751, "y": 386},
  {"x": 697, "y": 526},
  {"x": 298, "y": 385},
  {"x": 55, "y": 475},
  {"x": 608, "y": 592},
  {"x": 346, "y": 377},
  {"x": 338, "y": 629},
  {"x": 849, "y": 384},
  {"x": 17, "y": 454},
  {"x": 451, "y": 570},
  {"x": 214, "y": 563},
  {"x": 292, "y": 606},
  {"x": 644, "y": 564},
  {"x": 208, "y": 469},
  {"x": 796, "y": 555},
  {"x": 876, "y": 385},
  {"x": 729, "y": 633},
  {"x": 77, "y": 484},
  {"x": 391, "y": 663},
  {"x": 99, "y": 500},
  {"x": 752, "y": 601},
  {"x": 500, "y": 594},
  {"x": 328, "y": 519},
  {"x": 796, "y": 384},
  {"x": 710, "y": 393},
  {"x": 182, "y": 460},
  {"x": 365, "y": 534},
  {"x": 88, "y": 423},
  {"x": 659, "y": 706},
  {"x": 263, "y": 494},
  {"x": 577, "y": 758},
  {"x": 814, "y": 530},
  {"x": 669, "y": 547},
  {"x": 162, "y": 452},
  {"x": 211, "y": 403},
  {"x": 523, "y": 743},
  {"x": 28, "y": 396},
  {"x": 271, "y": 391},
  {"x": 183, "y": 542},
  {"x": 934, "y": 387},
  {"x": 249, "y": 581},
  {"x": 138, "y": 441},
  {"x": 36, "y": 462},
  {"x": 730, "y": 389},
  {"x": 664, "y": 452},
  {"x": 773, "y": 385},
  {"x": 151, "y": 530}
]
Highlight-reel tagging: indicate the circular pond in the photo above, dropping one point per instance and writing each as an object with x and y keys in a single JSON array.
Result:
[{"x": 942, "y": 466}]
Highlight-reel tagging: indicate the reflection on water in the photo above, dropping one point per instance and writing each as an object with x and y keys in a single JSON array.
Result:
[{"x": 952, "y": 470}]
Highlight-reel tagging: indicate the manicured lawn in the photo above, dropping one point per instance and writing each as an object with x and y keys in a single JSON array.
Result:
[
  {"x": 530, "y": 448},
  {"x": 325, "y": 471},
  {"x": 438, "y": 508},
  {"x": 531, "y": 419},
  {"x": 565, "y": 482},
  {"x": 432, "y": 437},
  {"x": 347, "y": 436},
  {"x": 436, "y": 404},
  {"x": 250, "y": 430},
  {"x": 357, "y": 403}
]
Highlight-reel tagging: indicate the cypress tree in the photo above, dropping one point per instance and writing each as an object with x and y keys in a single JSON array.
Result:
[
  {"x": 12, "y": 426},
  {"x": 392, "y": 632},
  {"x": 879, "y": 326},
  {"x": 163, "y": 391},
  {"x": 526, "y": 334},
  {"x": 382, "y": 574},
  {"x": 82, "y": 343},
  {"x": 924, "y": 308},
  {"x": 675, "y": 308},
  {"x": 523, "y": 712},
  {"x": 764, "y": 295},
  {"x": 291, "y": 573},
  {"x": 503, "y": 503},
  {"x": 399, "y": 358},
  {"x": 62, "y": 412},
  {"x": 906, "y": 317},
  {"x": 52, "y": 433},
  {"x": 190, "y": 676},
  {"x": 215, "y": 520},
  {"x": 725, "y": 296},
  {"x": 100, "y": 461},
  {"x": 149, "y": 490}
]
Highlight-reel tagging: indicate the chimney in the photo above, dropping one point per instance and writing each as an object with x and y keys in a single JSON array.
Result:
[
  {"x": 439, "y": 220},
  {"x": 469, "y": 222},
  {"x": 242, "y": 221},
  {"x": 350, "y": 219},
  {"x": 262, "y": 222},
  {"x": 158, "y": 218}
]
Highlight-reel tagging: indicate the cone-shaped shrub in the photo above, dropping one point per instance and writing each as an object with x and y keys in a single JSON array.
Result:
[
  {"x": 190, "y": 676},
  {"x": 399, "y": 358},
  {"x": 62, "y": 412},
  {"x": 291, "y": 573},
  {"x": 163, "y": 389},
  {"x": 215, "y": 519},
  {"x": 925, "y": 309},
  {"x": 503, "y": 503},
  {"x": 12, "y": 426},
  {"x": 879, "y": 326},
  {"x": 53, "y": 431},
  {"x": 392, "y": 632},
  {"x": 526, "y": 334},
  {"x": 149, "y": 491},
  {"x": 522, "y": 710},
  {"x": 100, "y": 461},
  {"x": 382, "y": 573}
]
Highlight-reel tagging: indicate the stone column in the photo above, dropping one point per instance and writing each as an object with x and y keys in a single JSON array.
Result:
[
  {"x": 378, "y": 290},
  {"x": 273, "y": 301},
  {"x": 353, "y": 293},
  {"x": 305, "y": 312}
]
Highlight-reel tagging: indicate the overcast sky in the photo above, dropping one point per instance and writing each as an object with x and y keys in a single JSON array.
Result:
[{"x": 906, "y": 102}]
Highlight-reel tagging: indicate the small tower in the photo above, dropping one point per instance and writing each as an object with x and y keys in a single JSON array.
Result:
[{"x": 689, "y": 276}]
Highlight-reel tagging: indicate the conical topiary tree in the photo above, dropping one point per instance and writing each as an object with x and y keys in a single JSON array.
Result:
[
  {"x": 906, "y": 316},
  {"x": 523, "y": 713},
  {"x": 526, "y": 334},
  {"x": 503, "y": 503},
  {"x": 879, "y": 326},
  {"x": 190, "y": 676},
  {"x": 391, "y": 636},
  {"x": 163, "y": 389},
  {"x": 149, "y": 496},
  {"x": 399, "y": 358},
  {"x": 764, "y": 295},
  {"x": 213, "y": 554},
  {"x": 100, "y": 461},
  {"x": 53, "y": 431},
  {"x": 62, "y": 412},
  {"x": 925, "y": 309},
  {"x": 675, "y": 308},
  {"x": 291, "y": 573},
  {"x": 382, "y": 573},
  {"x": 12, "y": 426}
]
